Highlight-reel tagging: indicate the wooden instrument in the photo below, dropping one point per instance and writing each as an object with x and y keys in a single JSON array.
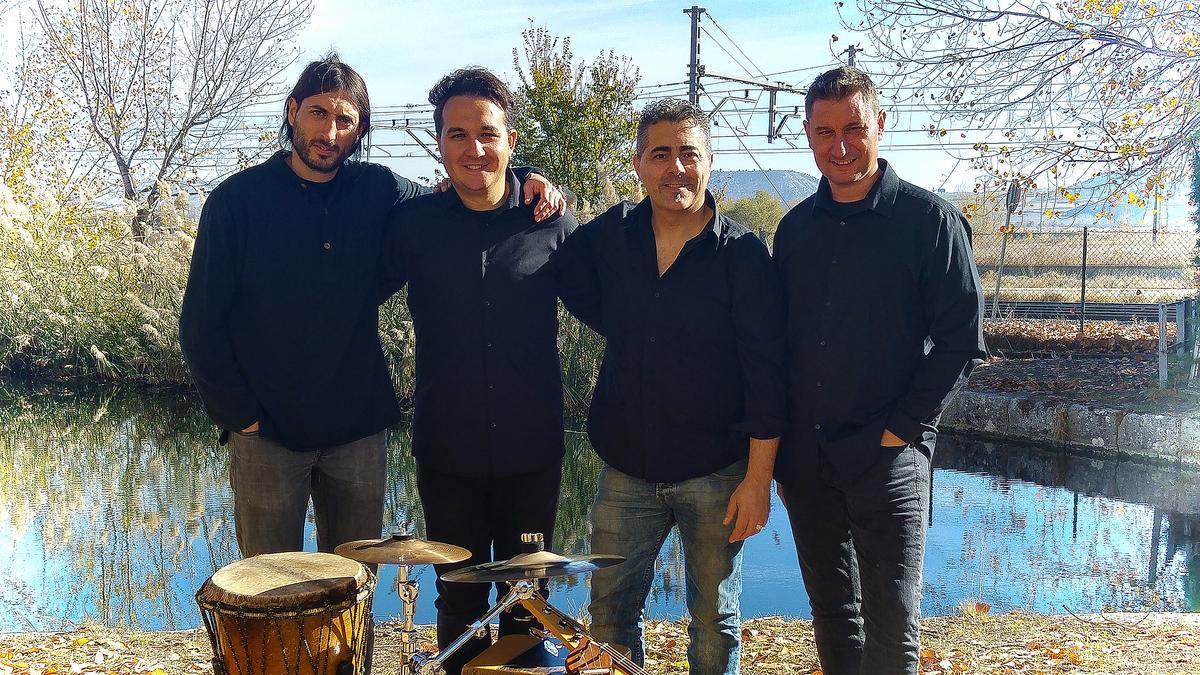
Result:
[
  {"x": 288, "y": 613},
  {"x": 587, "y": 657}
]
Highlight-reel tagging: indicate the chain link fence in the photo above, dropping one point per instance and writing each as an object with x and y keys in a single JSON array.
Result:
[{"x": 1116, "y": 267}]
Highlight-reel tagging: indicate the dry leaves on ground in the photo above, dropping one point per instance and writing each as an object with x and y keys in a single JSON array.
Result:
[{"x": 1044, "y": 335}]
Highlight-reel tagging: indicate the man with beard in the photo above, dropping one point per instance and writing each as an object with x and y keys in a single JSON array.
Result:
[{"x": 280, "y": 321}]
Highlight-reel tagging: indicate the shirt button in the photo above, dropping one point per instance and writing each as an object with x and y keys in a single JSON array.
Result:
[
  {"x": 817, "y": 427},
  {"x": 489, "y": 345},
  {"x": 843, "y": 223},
  {"x": 328, "y": 246},
  {"x": 822, "y": 343}
]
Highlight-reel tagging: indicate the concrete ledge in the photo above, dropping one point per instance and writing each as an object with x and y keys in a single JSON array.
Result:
[{"x": 1159, "y": 438}]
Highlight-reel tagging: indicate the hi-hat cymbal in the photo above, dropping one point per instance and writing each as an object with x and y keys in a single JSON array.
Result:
[
  {"x": 402, "y": 550},
  {"x": 535, "y": 565}
]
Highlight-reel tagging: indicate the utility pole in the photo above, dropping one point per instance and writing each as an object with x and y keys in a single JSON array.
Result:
[
  {"x": 695, "y": 70},
  {"x": 851, "y": 51}
]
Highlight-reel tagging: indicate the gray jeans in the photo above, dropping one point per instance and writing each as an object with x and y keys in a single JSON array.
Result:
[{"x": 272, "y": 485}]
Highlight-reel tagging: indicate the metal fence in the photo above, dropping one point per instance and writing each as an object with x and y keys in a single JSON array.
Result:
[
  {"x": 1095, "y": 274},
  {"x": 1086, "y": 265}
]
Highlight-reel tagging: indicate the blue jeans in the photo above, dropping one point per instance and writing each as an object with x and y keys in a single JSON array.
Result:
[
  {"x": 861, "y": 544},
  {"x": 272, "y": 485},
  {"x": 632, "y": 517}
]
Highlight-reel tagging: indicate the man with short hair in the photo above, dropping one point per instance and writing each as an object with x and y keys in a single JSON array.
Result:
[
  {"x": 483, "y": 281},
  {"x": 689, "y": 404},
  {"x": 883, "y": 325},
  {"x": 279, "y": 325}
]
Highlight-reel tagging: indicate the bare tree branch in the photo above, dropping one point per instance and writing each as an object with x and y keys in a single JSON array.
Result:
[
  {"x": 159, "y": 81},
  {"x": 1079, "y": 90}
]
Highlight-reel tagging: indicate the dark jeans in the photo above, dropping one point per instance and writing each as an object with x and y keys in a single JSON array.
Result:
[
  {"x": 484, "y": 516},
  {"x": 861, "y": 544},
  {"x": 272, "y": 485}
]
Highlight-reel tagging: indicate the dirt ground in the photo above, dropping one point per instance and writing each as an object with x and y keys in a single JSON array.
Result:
[
  {"x": 978, "y": 643},
  {"x": 1123, "y": 381}
]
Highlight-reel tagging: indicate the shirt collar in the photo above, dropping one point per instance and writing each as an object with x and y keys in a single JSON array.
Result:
[
  {"x": 511, "y": 201},
  {"x": 880, "y": 199},
  {"x": 716, "y": 225},
  {"x": 279, "y": 164}
]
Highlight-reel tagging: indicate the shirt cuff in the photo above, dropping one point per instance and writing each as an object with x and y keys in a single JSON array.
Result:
[
  {"x": 906, "y": 428},
  {"x": 764, "y": 428}
]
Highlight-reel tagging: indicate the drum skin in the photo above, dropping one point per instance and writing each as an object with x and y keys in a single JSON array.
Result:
[{"x": 288, "y": 613}]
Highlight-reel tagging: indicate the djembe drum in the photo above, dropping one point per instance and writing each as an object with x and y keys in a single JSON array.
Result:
[{"x": 288, "y": 613}]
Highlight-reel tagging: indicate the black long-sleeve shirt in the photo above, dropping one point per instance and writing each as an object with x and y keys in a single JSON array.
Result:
[
  {"x": 693, "y": 365},
  {"x": 883, "y": 321},
  {"x": 280, "y": 317},
  {"x": 482, "y": 291}
]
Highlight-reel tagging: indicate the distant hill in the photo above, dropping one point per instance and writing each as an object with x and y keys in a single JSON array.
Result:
[{"x": 794, "y": 185}]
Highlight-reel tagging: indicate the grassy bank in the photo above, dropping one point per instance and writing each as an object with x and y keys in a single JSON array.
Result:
[
  {"x": 1010, "y": 643},
  {"x": 81, "y": 299}
]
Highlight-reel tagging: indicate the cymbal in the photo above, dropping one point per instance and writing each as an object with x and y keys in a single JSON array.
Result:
[
  {"x": 536, "y": 565},
  {"x": 403, "y": 549}
]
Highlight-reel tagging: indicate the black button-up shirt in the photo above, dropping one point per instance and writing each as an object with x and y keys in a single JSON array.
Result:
[
  {"x": 693, "y": 365},
  {"x": 482, "y": 291},
  {"x": 883, "y": 321},
  {"x": 280, "y": 318}
]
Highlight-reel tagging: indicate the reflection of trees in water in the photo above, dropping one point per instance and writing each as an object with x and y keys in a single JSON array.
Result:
[
  {"x": 121, "y": 490},
  {"x": 1053, "y": 522},
  {"x": 115, "y": 506},
  {"x": 123, "y": 501}
]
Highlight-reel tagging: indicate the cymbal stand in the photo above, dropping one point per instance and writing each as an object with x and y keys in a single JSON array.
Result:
[
  {"x": 408, "y": 590},
  {"x": 424, "y": 664}
]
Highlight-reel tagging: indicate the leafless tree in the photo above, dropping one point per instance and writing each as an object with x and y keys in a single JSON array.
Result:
[
  {"x": 1095, "y": 91},
  {"x": 160, "y": 83}
]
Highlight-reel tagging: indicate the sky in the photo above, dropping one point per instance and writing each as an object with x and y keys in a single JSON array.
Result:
[{"x": 403, "y": 47}]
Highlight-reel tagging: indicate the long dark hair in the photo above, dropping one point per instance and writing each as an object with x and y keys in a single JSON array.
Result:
[{"x": 321, "y": 77}]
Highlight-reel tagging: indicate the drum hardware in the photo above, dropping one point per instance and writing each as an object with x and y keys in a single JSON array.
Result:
[
  {"x": 403, "y": 549},
  {"x": 521, "y": 574}
]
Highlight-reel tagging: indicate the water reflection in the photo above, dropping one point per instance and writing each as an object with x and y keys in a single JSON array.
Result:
[{"x": 115, "y": 506}]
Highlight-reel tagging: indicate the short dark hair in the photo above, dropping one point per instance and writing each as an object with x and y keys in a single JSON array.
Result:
[
  {"x": 472, "y": 81},
  {"x": 838, "y": 84},
  {"x": 321, "y": 77},
  {"x": 672, "y": 110}
]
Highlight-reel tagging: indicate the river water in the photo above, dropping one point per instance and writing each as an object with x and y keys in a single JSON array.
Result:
[{"x": 115, "y": 507}]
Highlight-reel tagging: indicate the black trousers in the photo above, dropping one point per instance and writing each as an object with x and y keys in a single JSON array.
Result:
[
  {"x": 486, "y": 516},
  {"x": 861, "y": 545}
]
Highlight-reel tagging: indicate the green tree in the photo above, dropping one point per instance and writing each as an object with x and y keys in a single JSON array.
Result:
[
  {"x": 577, "y": 121},
  {"x": 761, "y": 213}
]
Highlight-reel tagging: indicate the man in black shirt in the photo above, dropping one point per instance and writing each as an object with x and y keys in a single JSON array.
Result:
[
  {"x": 280, "y": 322},
  {"x": 883, "y": 326},
  {"x": 483, "y": 280},
  {"x": 689, "y": 405}
]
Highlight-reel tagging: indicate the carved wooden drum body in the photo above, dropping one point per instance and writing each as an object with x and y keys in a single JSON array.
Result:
[{"x": 288, "y": 613}]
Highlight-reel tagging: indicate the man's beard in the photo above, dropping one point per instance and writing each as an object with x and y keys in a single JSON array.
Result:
[{"x": 315, "y": 162}]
